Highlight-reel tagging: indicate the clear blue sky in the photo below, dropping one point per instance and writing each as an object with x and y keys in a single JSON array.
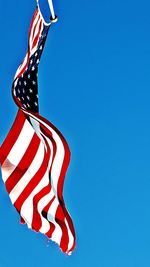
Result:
[{"x": 94, "y": 85}]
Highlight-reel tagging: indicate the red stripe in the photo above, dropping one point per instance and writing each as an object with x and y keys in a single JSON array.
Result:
[
  {"x": 61, "y": 200},
  {"x": 33, "y": 19},
  {"x": 35, "y": 28},
  {"x": 31, "y": 25},
  {"x": 51, "y": 230},
  {"x": 12, "y": 136},
  {"x": 60, "y": 189},
  {"x": 22, "y": 221},
  {"x": 46, "y": 208},
  {"x": 62, "y": 176},
  {"x": 33, "y": 183},
  {"x": 36, "y": 221},
  {"x": 36, "y": 224},
  {"x": 59, "y": 214},
  {"x": 48, "y": 134},
  {"x": 24, "y": 163},
  {"x": 24, "y": 68},
  {"x": 59, "y": 217},
  {"x": 66, "y": 148},
  {"x": 29, "y": 49},
  {"x": 63, "y": 171},
  {"x": 37, "y": 36}
]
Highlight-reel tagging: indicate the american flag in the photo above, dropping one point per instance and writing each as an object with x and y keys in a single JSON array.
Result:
[{"x": 35, "y": 156}]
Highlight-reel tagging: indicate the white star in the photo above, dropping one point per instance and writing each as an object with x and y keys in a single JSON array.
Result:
[
  {"x": 22, "y": 98},
  {"x": 41, "y": 47},
  {"x": 19, "y": 91},
  {"x": 33, "y": 68},
  {"x": 19, "y": 83},
  {"x": 28, "y": 97},
  {"x": 35, "y": 103},
  {"x": 23, "y": 91},
  {"x": 31, "y": 61},
  {"x": 25, "y": 83},
  {"x": 24, "y": 105},
  {"x": 30, "y": 90},
  {"x": 37, "y": 96},
  {"x": 37, "y": 61},
  {"x": 28, "y": 76},
  {"x": 36, "y": 54},
  {"x": 28, "y": 105},
  {"x": 33, "y": 82}
]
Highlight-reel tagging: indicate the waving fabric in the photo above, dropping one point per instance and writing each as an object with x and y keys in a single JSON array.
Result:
[{"x": 35, "y": 156}]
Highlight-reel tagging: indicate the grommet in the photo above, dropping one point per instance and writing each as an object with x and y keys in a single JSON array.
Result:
[{"x": 54, "y": 20}]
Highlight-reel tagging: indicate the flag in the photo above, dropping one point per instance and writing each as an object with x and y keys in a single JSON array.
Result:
[{"x": 35, "y": 156}]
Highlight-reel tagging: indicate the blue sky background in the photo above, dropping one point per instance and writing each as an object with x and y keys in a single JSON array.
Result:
[{"x": 94, "y": 85}]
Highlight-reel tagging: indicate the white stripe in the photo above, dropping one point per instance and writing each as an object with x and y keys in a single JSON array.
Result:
[
  {"x": 32, "y": 51},
  {"x": 26, "y": 210},
  {"x": 71, "y": 238},
  {"x": 33, "y": 25},
  {"x": 47, "y": 198},
  {"x": 22, "y": 65},
  {"x": 36, "y": 127},
  {"x": 31, "y": 39},
  {"x": 51, "y": 149},
  {"x": 26, "y": 57},
  {"x": 57, "y": 234},
  {"x": 58, "y": 161},
  {"x": 41, "y": 204},
  {"x": 31, "y": 171},
  {"x": 17, "y": 150},
  {"x": 55, "y": 173},
  {"x": 36, "y": 32},
  {"x": 59, "y": 157}
]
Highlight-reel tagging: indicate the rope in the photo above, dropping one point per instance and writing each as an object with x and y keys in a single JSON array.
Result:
[
  {"x": 53, "y": 16},
  {"x": 51, "y": 9}
]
